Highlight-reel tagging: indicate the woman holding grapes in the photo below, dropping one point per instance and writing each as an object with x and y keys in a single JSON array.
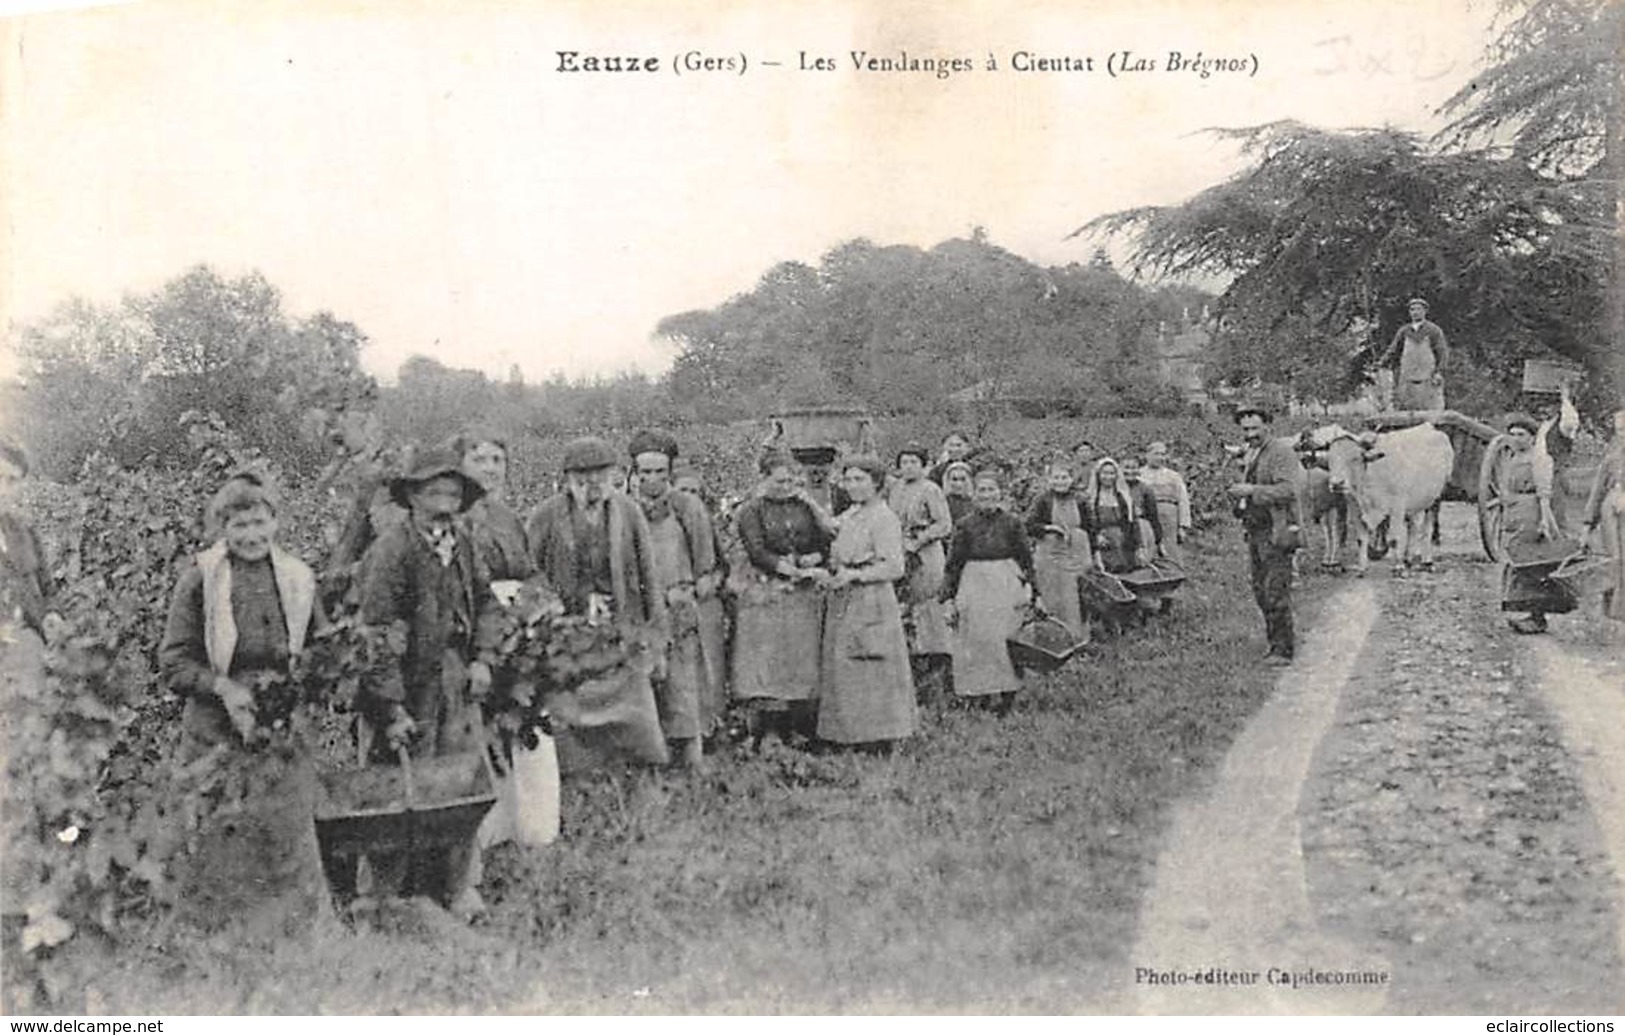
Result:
[{"x": 238, "y": 618}]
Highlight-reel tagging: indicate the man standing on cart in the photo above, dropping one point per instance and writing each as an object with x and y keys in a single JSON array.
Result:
[{"x": 1417, "y": 354}]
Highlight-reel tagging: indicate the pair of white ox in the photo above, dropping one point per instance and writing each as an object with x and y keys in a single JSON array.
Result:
[{"x": 1362, "y": 484}]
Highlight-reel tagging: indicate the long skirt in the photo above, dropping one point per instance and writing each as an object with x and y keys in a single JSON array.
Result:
[
  {"x": 254, "y": 863},
  {"x": 1168, "y": 516},
  {"x": 1520, "y": 538},
  {"x": 777, "y": 634},
  {"x": 714, "y": 654},
  {"x": 1117, "y": 550},
  {"x": 1059, "y": 563},
  {"x": 926, "y": 618},
  {"x": 1611, "y": 530},
  {"x": 678, "y": 696},
  {"x": 868, "y": 688},
  {"x": 990, "y": 602}
]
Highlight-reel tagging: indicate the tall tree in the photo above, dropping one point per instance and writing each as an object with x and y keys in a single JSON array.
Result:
[
  {"x": 1556, "y": 87},
  {"x": 120, "y": 377},
  {"x": 1328, "y": 232}
]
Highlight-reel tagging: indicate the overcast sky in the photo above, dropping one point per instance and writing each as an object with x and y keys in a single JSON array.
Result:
[{"x": 424, "y": 170}]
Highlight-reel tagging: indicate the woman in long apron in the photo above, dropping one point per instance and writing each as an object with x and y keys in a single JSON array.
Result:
[
  {"x": 989, "y": 579},
  {"x": 777, "y": 649},
  {"x": 868, "y": 690},
  {"x": 1528, "y": 520},
  {"x": 927, "y": 523},
  {"x": 1055, "y": 523},
  {"x": 1605, "y": 514}
]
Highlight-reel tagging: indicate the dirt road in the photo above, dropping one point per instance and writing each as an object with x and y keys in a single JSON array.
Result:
[{"x": 1427, "y": 798}]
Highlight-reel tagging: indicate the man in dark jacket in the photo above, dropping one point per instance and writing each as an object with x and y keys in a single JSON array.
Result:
[
  {"x": 592, "y": 543},
  {"x": 421, "y": 573},
  {"x": 1266, "y": 500}
]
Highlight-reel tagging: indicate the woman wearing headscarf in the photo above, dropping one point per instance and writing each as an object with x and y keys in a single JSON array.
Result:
[
  {"x": 956, "y": 449},
  {"x": 867, "y": 695},
  {"x": 1111, "y": 519},
  {"x": 989, "y": 579},
  {"x": 1605, "y": 515},
  {"x": 778, "y": 629},
  {"x": 238, "y": 618},
  {"x": 958, "y": 485},
  {"x": 1528, "y": 520},
  {"x": 1055, "y": 522},
  {"x": 927, "y": 523}
]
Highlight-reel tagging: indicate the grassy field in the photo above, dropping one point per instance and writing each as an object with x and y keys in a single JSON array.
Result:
[{"x": 993, "y": 864}]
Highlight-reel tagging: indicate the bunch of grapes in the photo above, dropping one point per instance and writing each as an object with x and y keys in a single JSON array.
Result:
[{"x": 536, "y": 650}]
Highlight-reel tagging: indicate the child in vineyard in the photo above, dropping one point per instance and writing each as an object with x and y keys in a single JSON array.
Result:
[
  {"x": 1172, "y": 496},
  {"x": 237, "y": 619},
  {"x": 422, "y": 572}
]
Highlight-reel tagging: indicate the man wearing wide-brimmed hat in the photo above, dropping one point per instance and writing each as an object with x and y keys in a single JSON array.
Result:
[
  {"x": 592, "y": 543},
  {"x": 421, "y": 572},
  {"x": 1417, "y": 354},
  {"x": 1267, "y": 501}
]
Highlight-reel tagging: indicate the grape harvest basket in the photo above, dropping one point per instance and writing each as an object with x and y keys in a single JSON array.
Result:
[
  {"x": 1155, "y": 580},
  {"x": 422, "y": 803},
  {"x": 1106, "y": 596},
  {"x": 1042, "y": 645}
]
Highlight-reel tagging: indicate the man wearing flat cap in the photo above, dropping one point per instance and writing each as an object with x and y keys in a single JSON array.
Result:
[
  {"x": 1267, "y": 501},
  {"x": 1418, "y": 354},
  {"x": 592, "y": 543}
]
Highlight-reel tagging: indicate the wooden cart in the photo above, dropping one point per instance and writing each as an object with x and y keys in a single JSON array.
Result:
[{"x": 844, "y": 429}]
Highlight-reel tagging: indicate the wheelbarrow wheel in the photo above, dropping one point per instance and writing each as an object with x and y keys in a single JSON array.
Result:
[{"x": 1491, "y": 517}]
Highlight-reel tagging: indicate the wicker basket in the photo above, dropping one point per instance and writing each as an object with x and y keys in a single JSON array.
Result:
[{"x": 1042, "y": 644}]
